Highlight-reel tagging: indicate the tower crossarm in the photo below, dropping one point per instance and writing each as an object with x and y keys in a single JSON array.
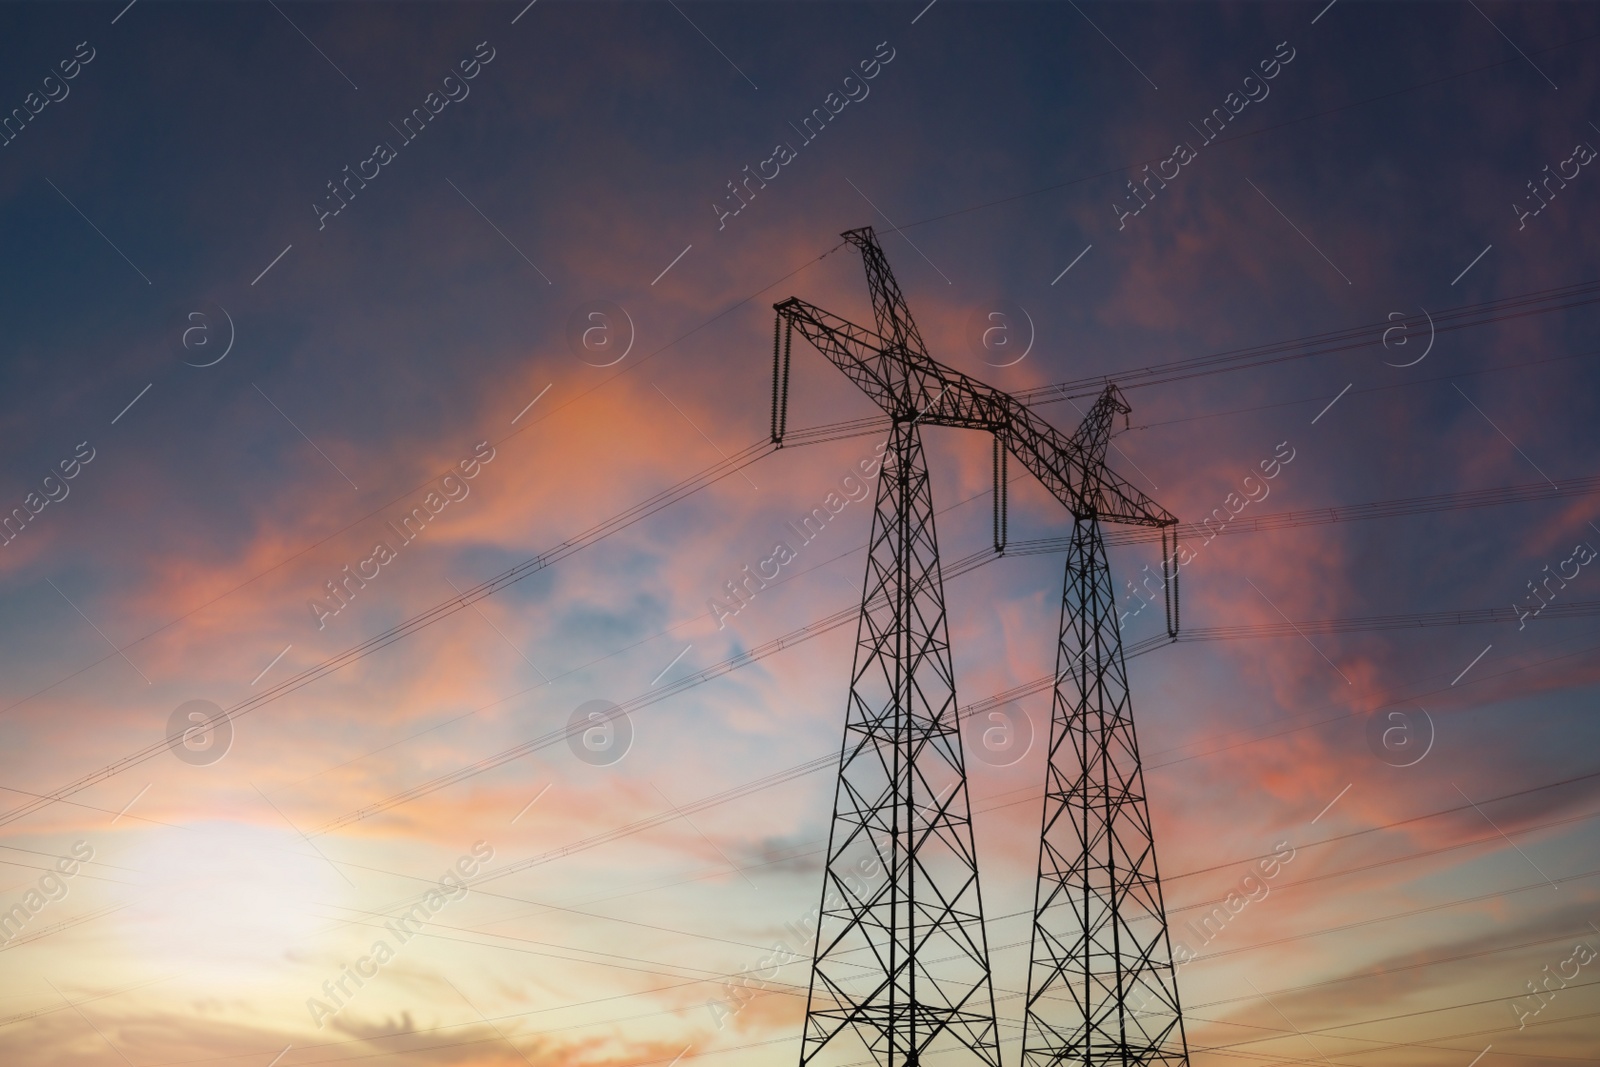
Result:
[{"x": 912, "y": 386}]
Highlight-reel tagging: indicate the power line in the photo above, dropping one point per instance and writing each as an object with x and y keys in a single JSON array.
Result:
[
  {"x": 550, "y": 412},
  {"x": 1275, "y": 521},
  {"x": 1493, "y": 368},
  {"x": 694, "y": 483},
  {"x": 819, "y": 764},
  {"x": 1236, "y": 632},
  {"x": 1414, "y": 620},
  {"x": 1326, "y": 626},
  {"x": 789, "y": 989},
  {"x": 1378, "y": 509},
  {"x": 840, "y": 341},
  {"x": 418, "y": 622},
  {"x": 1581, "y": 293},
  {"x": 1272, "y": 521},
  {"x": 1465, "y": 316},
  {"x": 1236, "y": 862},
  {"x": 1386, "y": 622},
  {"x": 1327, "y": 875}
]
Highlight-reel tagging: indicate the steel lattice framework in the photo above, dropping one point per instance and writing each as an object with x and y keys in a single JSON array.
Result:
[
  {"x": 1101, "y": 985},
  {"x": 902, "y": 963}
]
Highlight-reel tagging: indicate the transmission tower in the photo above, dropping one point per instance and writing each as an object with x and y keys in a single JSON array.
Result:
[
  {"x": 1101, "y": 985},
  {"x": 903, "y": 963}
]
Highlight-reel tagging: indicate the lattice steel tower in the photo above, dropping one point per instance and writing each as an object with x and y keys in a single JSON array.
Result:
[
  {"x": 1101, "y": 985},
  {"x": 902, "y": 963}
]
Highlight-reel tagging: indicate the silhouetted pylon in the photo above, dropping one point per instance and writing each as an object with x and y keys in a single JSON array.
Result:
[{"x": 901, "y": 958}]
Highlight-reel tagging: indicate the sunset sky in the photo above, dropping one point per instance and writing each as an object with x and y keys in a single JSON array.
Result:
[{"x": 276, "y": 278}]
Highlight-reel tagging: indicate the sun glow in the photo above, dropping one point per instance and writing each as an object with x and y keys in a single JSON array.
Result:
[{"x": 225, "y": 900}]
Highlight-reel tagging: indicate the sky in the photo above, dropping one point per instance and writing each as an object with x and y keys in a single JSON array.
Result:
[{"x": 397, "y": 377}]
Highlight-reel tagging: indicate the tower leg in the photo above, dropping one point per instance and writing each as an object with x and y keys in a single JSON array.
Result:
[
  {"x": 1101, "y": 984},
  {"x": 901, "y": 965}
]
